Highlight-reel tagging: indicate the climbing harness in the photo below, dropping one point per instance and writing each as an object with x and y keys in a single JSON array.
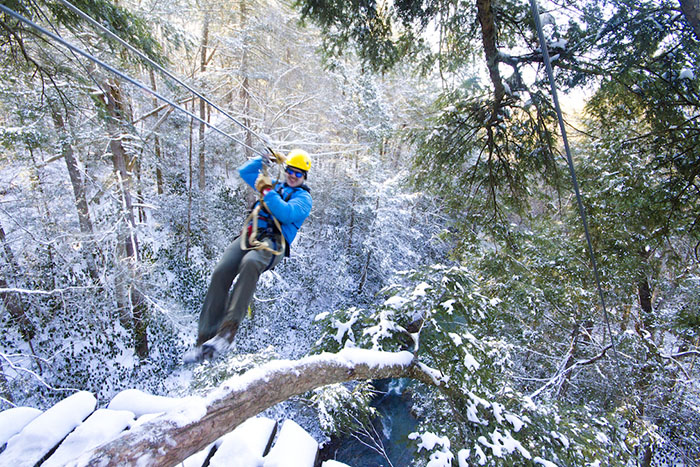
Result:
[
  {"x": 251, "y": 229},
  {"x": 572, "y": 171},
  {"x": 250, "y": 241}
]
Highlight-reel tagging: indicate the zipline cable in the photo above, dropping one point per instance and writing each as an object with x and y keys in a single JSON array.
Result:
[
  {"x": 572, "y": 171},
  {"x": 122, "y": 75},
  {"x": 155, "y": 65}
]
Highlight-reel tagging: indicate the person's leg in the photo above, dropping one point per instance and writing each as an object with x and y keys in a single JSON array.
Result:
[
  {"x": 214, "y": 306},
  {"x": 252, "y": 265}
]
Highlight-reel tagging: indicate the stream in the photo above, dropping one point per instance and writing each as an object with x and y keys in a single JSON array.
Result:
[{"x": 394, "y": 423}]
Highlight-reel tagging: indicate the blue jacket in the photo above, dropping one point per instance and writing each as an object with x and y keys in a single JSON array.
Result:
[{"x": 290, "y": 214}]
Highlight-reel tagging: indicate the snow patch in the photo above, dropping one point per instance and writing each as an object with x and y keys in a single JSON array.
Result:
[
  {"x": 321, "y": 316},
  {"x": 546, "y": 463},
  {"x": 44, "y": 432},
  {"x": 470, "y": 362},
  {"x": 181, "y": 411},
  {"x": 346, "y": 327},
  {"x": 515, "y": 421},
  {"x": 434, "y": 374},
  {"x": 100, "y": 427},
  {"x": 395, "y": 302},
  {"x": 687, "y": 73},
  {"x": 420, "y": 290},
  {"x": 13, "y": 420},
  {"x": 448, "y": 306},
  {"x": 294, "y": 447},
  {"x": 245, "y": 445},
  {"x": 429, "y": 441},
  {"x": 504, "y": 444}
]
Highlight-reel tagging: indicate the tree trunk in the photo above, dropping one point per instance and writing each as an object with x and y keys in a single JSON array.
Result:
[
  {"x": 691, "y": 11},
  {"x": 644, "y": 293},
  {"x": 202, "y": 104},
  {"x": 5, "y": 392},
  {"x": 190, "y": 183},
  {"x": 156, "y": 144},
  {"x": 79, "y": 192},
  {"x": 571, "y": 358},
  {"x": 133, "y": 308},
  {"x": 171, "y": 438},
  {"x": 245, "y": 85},
  {"x": 489, "y": 40},
  {"x": 13, "y": 303}
]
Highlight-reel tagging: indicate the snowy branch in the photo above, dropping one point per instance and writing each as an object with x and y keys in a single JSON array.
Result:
[
  {"x": 563, "y": 373},
  {"x": 176, "y": 435}
]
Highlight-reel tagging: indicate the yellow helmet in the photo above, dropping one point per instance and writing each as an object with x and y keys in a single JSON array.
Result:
[{"x": 299, "y": 159}]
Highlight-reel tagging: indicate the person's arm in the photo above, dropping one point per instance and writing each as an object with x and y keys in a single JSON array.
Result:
[
  {"x": 250, "y": 170},
  {"x": 292, "y": 212}
]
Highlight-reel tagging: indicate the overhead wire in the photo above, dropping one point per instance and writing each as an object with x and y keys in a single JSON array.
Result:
[
  {"x": 572, "y": 170},
  {"x": 122, "y": 75},
  {"x": 158, "y": 67}
]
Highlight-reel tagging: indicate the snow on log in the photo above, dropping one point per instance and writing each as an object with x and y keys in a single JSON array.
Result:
[
  {"x": 294, "y": 448},
  {"x": 42, "y": 434},
  {"x": 13, "y": 420},
  {"x": 246, "y": 445},
  {"x": 142, "y": 403},
  {"x": 182, "y": 432},
  {"x": 333, "y": 463},
  {"x": 103, "y": 425}
]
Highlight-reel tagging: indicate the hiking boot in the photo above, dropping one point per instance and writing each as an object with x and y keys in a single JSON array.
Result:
[
  {"x": 210, "y": 350},
  {"x": 193, "y": 355},
  {"x": 227, "y": 331},
  {"x": 214, "y": 348}
]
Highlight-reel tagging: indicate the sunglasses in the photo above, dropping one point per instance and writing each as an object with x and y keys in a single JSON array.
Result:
[{"x": 291, "y": 171}]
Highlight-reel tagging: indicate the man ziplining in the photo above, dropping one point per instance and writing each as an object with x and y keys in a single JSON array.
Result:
[{"x": 276, "y": 218}]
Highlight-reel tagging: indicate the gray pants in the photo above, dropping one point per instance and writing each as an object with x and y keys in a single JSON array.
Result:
[{"x": 220, "y": 311}]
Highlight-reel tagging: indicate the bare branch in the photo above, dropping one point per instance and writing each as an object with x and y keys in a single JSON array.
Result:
[{"x": 561, "y": 374}]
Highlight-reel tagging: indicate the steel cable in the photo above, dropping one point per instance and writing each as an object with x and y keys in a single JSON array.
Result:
[
  {"x": 121, "y": 74},
  {"x": 572, "y": 171},
  {"x": 157, "y": 66}
]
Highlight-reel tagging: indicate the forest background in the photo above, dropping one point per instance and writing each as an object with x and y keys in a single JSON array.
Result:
[{"x": 443, "y": 220}]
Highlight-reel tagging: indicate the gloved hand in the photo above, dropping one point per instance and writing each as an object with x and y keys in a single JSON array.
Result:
[
  {"x": 278, "y": 157},
  {"x": 262, "y": 183},
  {"x": 273, "y": 156}
]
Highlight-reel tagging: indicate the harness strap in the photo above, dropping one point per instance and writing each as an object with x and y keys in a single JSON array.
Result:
[{"x": 252, "y": 242}]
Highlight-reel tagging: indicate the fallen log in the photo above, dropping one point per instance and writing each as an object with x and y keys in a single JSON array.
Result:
[{"x": 173, "y": 436}]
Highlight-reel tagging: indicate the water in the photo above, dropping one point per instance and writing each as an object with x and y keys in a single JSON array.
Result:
[{"x": 393, "y": 426}]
